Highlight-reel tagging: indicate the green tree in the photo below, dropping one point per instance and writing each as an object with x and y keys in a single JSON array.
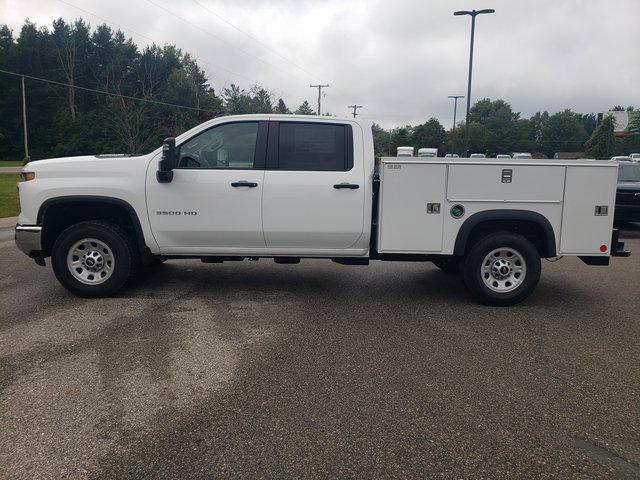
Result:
[
  {"x": 601, "y": 142},
  {"x": 430, "y": 134},
  {"x": 281, "y": 107},
  {"x": 562, "y": 131},
  {"x": 261, "y": 100},
  {"x": 304, "y": 109}
]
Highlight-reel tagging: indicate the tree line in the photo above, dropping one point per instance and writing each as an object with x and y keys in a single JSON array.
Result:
[
  {"x": 116, "y": 97},
  {"x": 494, "y": 128}
]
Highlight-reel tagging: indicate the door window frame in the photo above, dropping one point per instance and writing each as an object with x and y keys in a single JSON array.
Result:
[
  {"x": 259, "y": 155},
  {"x": 273, "y": 146}
]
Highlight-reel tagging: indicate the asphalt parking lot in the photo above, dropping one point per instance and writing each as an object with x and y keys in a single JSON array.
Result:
[{"x": 258, "y": 370}]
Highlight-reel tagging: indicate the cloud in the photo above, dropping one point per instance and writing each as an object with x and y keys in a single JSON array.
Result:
[{"x": 400, "y": 59}]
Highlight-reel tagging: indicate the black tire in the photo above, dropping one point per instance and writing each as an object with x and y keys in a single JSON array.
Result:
[
  {"x": 448, "y": 264},
  {"x": 472, "y": 268},
  {"x": 121, "y": 248}
]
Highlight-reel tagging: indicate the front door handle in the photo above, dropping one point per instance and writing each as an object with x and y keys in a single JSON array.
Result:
[
  {"x": 244, "y": 183},
  {"x": 350, "y": 186}
]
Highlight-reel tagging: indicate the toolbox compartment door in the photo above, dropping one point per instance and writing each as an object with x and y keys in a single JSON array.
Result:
[
  {"x": 505, "y": 183},
  {"x": 408, "y": 190},
  {"x": 583, "y": 229}
]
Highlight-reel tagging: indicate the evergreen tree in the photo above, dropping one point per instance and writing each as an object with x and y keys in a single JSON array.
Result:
[
  {"x": 601, "y": 142},
  {"x": 304, "y": 109}
]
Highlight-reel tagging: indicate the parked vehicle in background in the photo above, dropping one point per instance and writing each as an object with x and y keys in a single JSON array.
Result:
[
  {"x": 628, "y": 192},
  {"x": 503, "y": 156},
  {"x": 427, "y": 152},
  {"x": 288, "y": 187},
  {"x": 621, "y": 158},
  {"x": 452, "y": 155},
  {"x": 404, "y": 152},
  {"x": 635, "y": 157},
  {"x": 478, "y": 155},
  {"x": 522, "y": 155}
]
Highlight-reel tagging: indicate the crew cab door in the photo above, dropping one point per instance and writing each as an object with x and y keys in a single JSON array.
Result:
[
  {"x": 313, "y": 188},
  {"x": 214, "y": 201}
]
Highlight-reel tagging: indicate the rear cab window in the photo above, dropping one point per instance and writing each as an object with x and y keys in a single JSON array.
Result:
[{"x": 308, "y": 146}]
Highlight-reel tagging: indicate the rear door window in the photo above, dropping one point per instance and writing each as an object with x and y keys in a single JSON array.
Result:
[{"x": 314, "y": 147}]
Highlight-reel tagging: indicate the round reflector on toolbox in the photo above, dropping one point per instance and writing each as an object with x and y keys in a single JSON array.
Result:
[
  {"x": 603, "y": 248},
  {"x": 457, "y": 211}
]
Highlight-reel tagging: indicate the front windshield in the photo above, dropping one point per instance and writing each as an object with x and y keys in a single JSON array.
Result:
[{"x": 629, "y": 173}]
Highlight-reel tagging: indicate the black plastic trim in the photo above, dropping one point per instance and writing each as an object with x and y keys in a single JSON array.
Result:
[
  {"x": 508, "y": 215},
  {"x": 145, "y": 252}
]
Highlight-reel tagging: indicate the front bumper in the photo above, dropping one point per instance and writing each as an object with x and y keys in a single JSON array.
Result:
[{"x": 29, "y": 239}]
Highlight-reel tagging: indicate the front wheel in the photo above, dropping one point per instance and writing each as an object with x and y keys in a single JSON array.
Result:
[
  {"x": 93, "y": 258},
  {"x": 502, "y": 269}
]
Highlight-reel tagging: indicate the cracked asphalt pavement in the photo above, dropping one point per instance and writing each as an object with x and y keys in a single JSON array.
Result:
[{"x": 258, "y": 370}]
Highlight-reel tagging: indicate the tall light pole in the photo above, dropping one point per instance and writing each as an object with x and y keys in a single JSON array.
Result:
[
  {"x": 319, "y": 87},
  {"x": 455, "y": 110},
  {"x": 473, "y": 14},
  {"x": 455, "y": 107}
]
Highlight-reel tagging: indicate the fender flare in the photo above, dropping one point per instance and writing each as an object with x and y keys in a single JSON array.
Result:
[
  {"x": 514, "y": 215},
  {"x": 145, "y": 252}
]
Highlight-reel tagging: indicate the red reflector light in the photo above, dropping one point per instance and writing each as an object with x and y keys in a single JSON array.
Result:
[{"x": 603, "y": 248}]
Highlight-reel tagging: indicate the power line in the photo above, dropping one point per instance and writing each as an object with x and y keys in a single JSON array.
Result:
[
  {"x": 220, "y": 39},
  {"x": 275, "y": 52},
  {"x": 355, "y": 109},
  {"x": 149, "y": 38},
  {"x": 103, "y": 92}
]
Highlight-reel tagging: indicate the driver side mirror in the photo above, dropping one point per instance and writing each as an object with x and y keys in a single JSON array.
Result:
[{"x": 168, "y": 162}]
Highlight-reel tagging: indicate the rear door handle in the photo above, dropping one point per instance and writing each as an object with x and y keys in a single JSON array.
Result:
[
  {"x": 350, "y": 186},
  {"x": 243, "y": 183}
]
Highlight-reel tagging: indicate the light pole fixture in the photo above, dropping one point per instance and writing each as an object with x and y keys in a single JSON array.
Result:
[{"x": 473, "y": 14}]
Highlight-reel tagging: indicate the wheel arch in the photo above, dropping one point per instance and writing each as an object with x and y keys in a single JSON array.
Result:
[
  {"x": 533, "y": 225},
  {"x": 57, "y": 213}
]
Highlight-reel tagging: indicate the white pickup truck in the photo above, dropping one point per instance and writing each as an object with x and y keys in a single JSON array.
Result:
[{"x": 289, "y": 187}]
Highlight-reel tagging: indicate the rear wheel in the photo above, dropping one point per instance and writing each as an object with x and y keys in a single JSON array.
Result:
[
  {"x": 502, "y": 269},
  {"x": 93, "y": 258}
]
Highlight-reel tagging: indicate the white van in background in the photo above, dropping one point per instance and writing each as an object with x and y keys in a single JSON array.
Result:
[
  {"x": 522, "y": 155},
  {"x": 428, "y": 152},
  {"x": 404, "y": 152}
]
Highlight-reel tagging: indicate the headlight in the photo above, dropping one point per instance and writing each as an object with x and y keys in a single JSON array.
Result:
[{"x": 26, "y": 176}]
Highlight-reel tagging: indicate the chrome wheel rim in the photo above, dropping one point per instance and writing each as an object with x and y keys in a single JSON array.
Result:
[
  {"x": 90, "y": 261},
  {"x": 503, "y": 270}
]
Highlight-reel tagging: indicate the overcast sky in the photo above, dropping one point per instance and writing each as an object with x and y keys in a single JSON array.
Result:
[{"x": 399, "y": 59}]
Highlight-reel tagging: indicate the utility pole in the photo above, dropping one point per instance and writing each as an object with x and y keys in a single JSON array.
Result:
[
  {"x": 473, "y": 14},
  {"x": 319, "y": 87},
  {"x": 355, "y": 109},
  {"x": 24, "y": 120}
]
